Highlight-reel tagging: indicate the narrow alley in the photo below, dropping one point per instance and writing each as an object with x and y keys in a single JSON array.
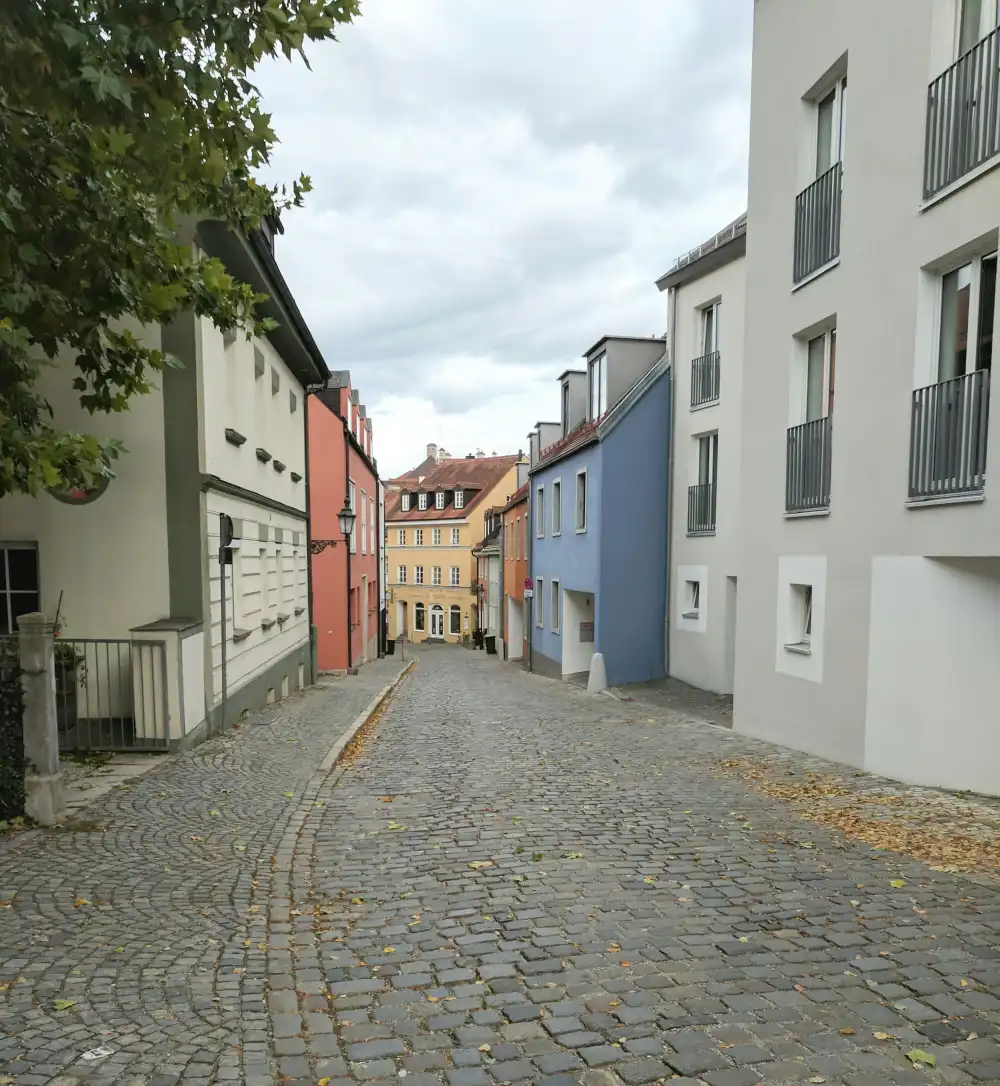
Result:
[{"x": 507, "y": 881}]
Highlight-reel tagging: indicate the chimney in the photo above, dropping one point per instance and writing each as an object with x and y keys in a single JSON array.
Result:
[{"x": 432, "y": 451}]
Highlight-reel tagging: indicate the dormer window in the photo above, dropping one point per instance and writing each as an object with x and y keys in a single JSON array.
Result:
[
  {"x": 565, "y": 408},
  {"x": 422, "y": 501},
  {"x": 439, "y": 500},
  {"x": 459, "y": 499},
  {"x": 598, "y": 380},
  {"x": 405, "y": 503}
]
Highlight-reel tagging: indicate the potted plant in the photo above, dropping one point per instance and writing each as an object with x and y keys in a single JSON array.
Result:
[{"x": 71, "y": 673}]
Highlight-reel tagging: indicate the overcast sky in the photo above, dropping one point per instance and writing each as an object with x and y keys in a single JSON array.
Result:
[{"x": 496, "y": 186}]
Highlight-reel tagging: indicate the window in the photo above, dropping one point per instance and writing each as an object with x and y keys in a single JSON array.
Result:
[
  {"x": 401, "y": 575},
  {"x": 364, "y": 522},
  {"x": 401, "y": 537},
  {"x": 819, "y": 378},
  {"x": 540, "y": 512},
  {"x": 968, "y": 308},
  {"x": 801, "y": 618},
  {"x": 710, "y": 328},
  {"x": 455, "y": 576},
  {"x": 353, "y": 502},
  {"x": 422, "y": 501},
  {"x": 439, "y": 500},
  {"x": 436, "y": 536},
  {"x": 557, "y": 507},
  {"x": 524, "y": 538},
  {"x": 418, "y": 537},
  {"x": 598, "y": 377},
  {"x": 459, "y": 499},
  {"x": 455, "y": 619},
  {"x": 708, "y": 457},
  {"x": 539, "y": 602},
  {"x": 419, "y": 617},
  {"x": 19, "y": 592},
  {"x": 565, "y": 408},
  {"x": 418, "y": 574},
  {"x": 831, "y": 120},
  {"x": 581, "y": 501},
  {"x": 692, "y": 599},
  {"x": 371, "y": 525},
  {"x": 456, "y": 536},
  {"x": 554, "y": 609},
  {"x": 405, "y": 503},
  {"x": 976, "y": 19},
  {"x": 436, "y": 575}
]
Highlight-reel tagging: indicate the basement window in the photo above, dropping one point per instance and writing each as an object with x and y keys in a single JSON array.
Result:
[
  {"x": 692, "y": 599},
  {"x": 801, "y": 620}
]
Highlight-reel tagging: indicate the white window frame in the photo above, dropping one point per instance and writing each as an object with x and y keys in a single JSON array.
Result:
[
  {"x": 565, "y": 408},
  {"x": 597, "y": 391},
  {"x": 517, "y": 539},
  {"x": 364, "y": 522},
  {"x": 540, "y": 512},
  {"x": 692, "y": 594},
  {"x": 454, "y": 611},
  {"x": 976, "y": 262},
  {"x": 436, "y": 537},
  {"x": 371, "y": 525},
  {"x": 352, "y": 492},
  {"x": 401, "y": 575},
  {"x": 459, "y": 499},
  {"x": 801, "y": 600},
  {"x": 418, "y": 574},
  {"x": 456, "y": 537},
  {"x": 798, "y": 412},
  {"x": 439, "y": 499},
  {"x": 540, "y": 602},
  {"x": 985, "y": 29},
  {"x": 435, "y": 575},
  {"x": 400, "y": 537},
  {"x": 714, "y": 310},
  {"x": 554, "y": 605},
  {"x": 581, "y": 528},
  {"x": 455, "y": 577},
  {"x": 404, "y": 503},
  {"x": 422, "y": 500},
  {"x": 556, "y": 511},
  {"x": 418, "y": 537},
  {"x": 419, "y": 618},
  {"x": 838, "y": 124}
]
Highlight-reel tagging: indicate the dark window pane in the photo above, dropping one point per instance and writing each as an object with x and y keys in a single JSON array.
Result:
[
  {"x": 987, "y": 308},
  {"x": 22, "y": 603},
  {"x": 23, "y": 566},
  {"x": 4, "y": 623}
]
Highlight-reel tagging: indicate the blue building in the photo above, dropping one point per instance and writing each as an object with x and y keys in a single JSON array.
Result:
[{"x": 599, "y": 516}]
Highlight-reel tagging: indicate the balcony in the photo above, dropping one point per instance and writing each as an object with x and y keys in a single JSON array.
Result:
[
  {"x": 948, "y": 438},
  {"x": 963, "y": 116},
  {"x": 817, "y": 223},
  {"x": 701, "y": 509},
  {"x": 705, "y": 372},
  {"x": 807, "y": 467}
]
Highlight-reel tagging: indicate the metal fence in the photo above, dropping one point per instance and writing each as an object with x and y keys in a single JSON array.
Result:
[
  {"x": 807, "y": 467},
  {"x": 11, "y": 731},
  {"x": 705, "y": 373},
  {"x": 963, "y": 116},
  {"x": 817, "y": 223},
  {"x": 111, "y": 694},
  {"x": 701, "y": 508},
  {"x": 948, "y": 431}
]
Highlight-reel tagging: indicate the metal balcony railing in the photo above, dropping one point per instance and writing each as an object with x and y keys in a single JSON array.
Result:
[
  {"x": 807, "y": 467},
  {"x": 817, "y": 223},
  {"x": 705, "y": 373},
  {"x": 948, "y": 432},
  {"x": 701, "y": 508},
  {"x": 963, "y": 116}
]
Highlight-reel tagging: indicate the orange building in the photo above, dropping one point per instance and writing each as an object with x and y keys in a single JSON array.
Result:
[
  {"x": 342, "y": 470},
  {"x": 515, "y": 569}
]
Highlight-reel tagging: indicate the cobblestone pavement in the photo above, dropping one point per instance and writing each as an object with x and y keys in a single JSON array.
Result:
[
  {"x": 514, "y": 882},
  {"x": 673, "y": 695}
]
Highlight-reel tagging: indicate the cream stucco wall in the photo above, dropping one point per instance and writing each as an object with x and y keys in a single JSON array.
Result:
[
  {"x": 699, "y": 651},
  {"x": 884, "y": 315}
]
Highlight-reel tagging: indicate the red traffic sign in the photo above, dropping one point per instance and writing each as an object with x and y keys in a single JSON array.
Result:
[{"x": 528, "y": 584}]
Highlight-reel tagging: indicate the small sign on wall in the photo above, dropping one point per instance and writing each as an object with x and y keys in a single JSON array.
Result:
[
  {"x": 586, "y": 631},
  {"x": 529, "y": 593}
]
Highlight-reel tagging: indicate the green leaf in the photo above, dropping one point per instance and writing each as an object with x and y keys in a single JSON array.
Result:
[
  {"x": 917, "y": 1056},
  {"x": 64, "y": 1004},
  {"x": 898, "y": 883}
]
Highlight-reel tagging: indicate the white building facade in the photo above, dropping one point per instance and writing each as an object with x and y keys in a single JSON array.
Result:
[
  {"x": 869, "y": 620},
  {"x": 705, "y": 314},
  {"x": 138, "y": 565}
]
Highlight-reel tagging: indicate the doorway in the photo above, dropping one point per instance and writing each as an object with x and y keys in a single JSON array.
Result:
[
  {"x": 515, "y": 629},
  {"x": 729, "y": 674},
  {"x": 401, "y": 630},
  {"x": 363, "y": 601},
  {"x": 437, "y": 621}
]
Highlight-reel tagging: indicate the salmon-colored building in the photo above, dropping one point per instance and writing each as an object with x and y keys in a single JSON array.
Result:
[
  {"x": 515, "y": 569},
  {"x": 345, "y": 578}
]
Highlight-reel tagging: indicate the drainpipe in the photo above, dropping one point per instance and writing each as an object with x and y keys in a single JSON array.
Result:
[
  {"x": 672, "y": 358},
  {"x": 347, "y": 539},
  {"x": 379, "y": 588},
  {"x": 310, "y": 390},
  {"x": 529, "y": 544}
]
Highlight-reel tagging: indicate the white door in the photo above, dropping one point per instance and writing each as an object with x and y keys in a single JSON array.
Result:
[
  {"x": 364, "y": 620},
  {"x": 437, "y": 621}
]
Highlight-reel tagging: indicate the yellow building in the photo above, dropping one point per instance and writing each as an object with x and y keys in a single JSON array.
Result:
[{"x": 434, "y": 516}]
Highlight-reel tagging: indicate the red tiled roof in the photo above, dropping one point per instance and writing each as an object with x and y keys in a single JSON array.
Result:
[
  {"x": 474, "y": 476},
  {"x": 519, "y": 495},
  {"x": 582, "y": 435}
]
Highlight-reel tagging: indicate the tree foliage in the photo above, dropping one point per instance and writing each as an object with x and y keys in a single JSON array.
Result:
[{"x": 120, "y": 122}]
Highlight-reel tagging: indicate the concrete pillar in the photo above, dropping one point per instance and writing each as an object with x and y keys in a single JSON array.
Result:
[
  {"x": 598, "y": 679},
  {"x": 45, "y": 800}
]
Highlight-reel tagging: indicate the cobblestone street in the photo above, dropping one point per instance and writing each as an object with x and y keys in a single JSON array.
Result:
[{"x": 512, "y": 882}]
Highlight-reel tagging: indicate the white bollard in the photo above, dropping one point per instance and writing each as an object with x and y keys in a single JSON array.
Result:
[{"x": 598, "y": 680}]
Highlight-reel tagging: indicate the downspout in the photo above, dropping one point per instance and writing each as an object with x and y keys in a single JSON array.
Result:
[
  {"x": 529, "y": 546},
  {"x": 347, "y": 539},
  {"x": 313, "y": 638},
  {"x": 671, "y": 359},
  {"x": 380, "y": 588}
]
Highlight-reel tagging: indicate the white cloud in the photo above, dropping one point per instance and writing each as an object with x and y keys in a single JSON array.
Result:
[{"x": 496, "y": 185}]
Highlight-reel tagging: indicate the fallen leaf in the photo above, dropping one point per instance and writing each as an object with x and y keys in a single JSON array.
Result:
[
  {"x": 649, "y": 880},
  {"x": 388, "y": 950},
  {"x": 82, "y": 901},
  {"x": 323, "y": 1081},
  {"x": 883, "y": 1036},
  {"x": 615, "y": 1003},
  {"x": 214, "y": 814},
  {"x": 385, "y": 799},
  {"x": 799, "y": 988},
  {"x": 433, "y": 999},
  {"x": 574, "y": 855},
  {"x": 899, "y": 884},
  {"x": 855, "y": 903},
  {"x": 964, "y": 983},
  {"x": 744, "y": 939},
  {"x": 847, "y": 1032},
  {"x": 288, "y": 795},
  {"x": 64, "y": 1004},
  {"x": 357, "y": 901},
  {"x": 817, "y": 1078},
  {"x": 625, "y": 965},
  {"x": 917, "y": 1056},
  {"x": 537, "y": 857},
  {"x": 478, "y": 865},
  {"x": 484, "y": 1048}
]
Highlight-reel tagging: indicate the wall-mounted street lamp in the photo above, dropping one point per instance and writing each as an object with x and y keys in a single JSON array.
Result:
[{"x": 345, "y": 518}]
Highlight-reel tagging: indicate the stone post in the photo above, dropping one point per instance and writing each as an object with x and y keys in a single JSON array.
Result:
[
  {"x": 597, "y": 682},
  {"x": 45, "y": 800}
]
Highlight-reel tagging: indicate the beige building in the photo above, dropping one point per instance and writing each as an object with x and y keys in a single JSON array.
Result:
[
  {"x": 434, "y": 516},
  {"x": 705, "y": 291},
  {"x": 869, "y": 620}
]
